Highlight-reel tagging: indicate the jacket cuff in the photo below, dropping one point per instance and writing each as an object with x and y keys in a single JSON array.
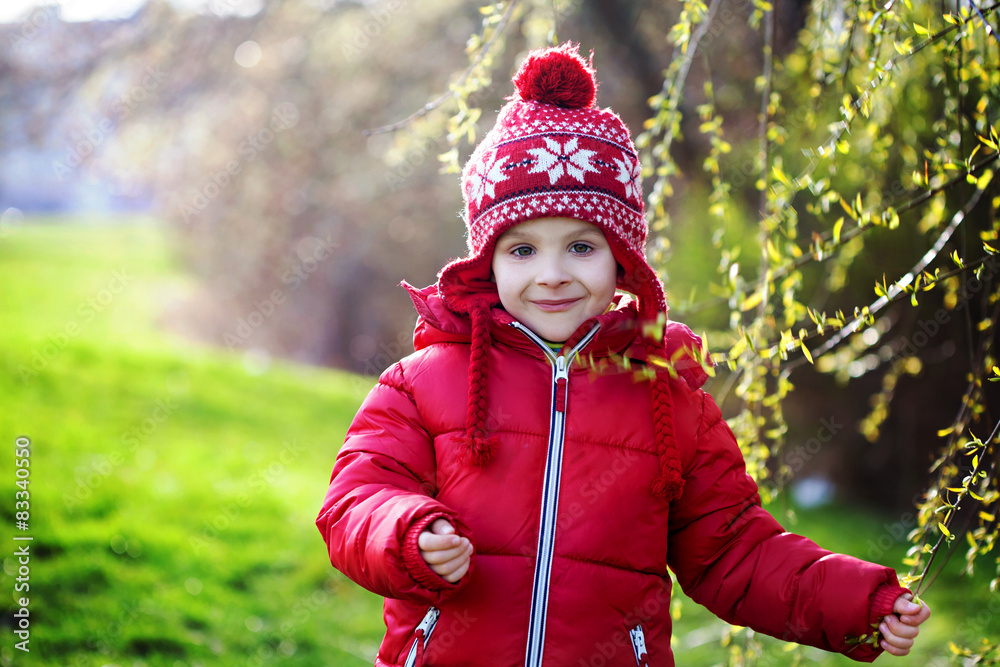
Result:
[
  {"x": 883, "y": 600},
  {"x": 415, "y": 565}
]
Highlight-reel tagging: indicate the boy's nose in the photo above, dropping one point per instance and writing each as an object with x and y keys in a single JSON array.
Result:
[{"x": 552, "y": 273}]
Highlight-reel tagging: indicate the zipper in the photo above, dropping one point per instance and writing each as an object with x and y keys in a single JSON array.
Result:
[
  {"x": 427, "y": 625},
  {"x": 550, "y": 490},
  {"x": 638, "y": 645}
]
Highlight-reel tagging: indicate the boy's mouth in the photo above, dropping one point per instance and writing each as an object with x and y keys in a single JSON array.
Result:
[{"x": 554, "y": 305}]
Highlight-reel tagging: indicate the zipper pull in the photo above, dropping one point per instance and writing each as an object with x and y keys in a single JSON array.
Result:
[
  {"x": 430, "y": 620},
  {"x": 422, "y": 635},
  {"x": 638, "y": 645},
  {"x": 562, "y": 379}
]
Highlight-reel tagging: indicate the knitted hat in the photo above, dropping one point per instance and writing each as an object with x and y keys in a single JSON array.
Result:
[{"x": 552, "y": 153}]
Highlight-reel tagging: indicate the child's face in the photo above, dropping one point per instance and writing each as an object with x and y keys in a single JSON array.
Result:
[{"x": 553, "y": 274}]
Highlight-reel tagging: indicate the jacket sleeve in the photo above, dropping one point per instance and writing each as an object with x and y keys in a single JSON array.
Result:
[
  {"x": 380, "y": 498},
  {"x": 734, "y": 558}
]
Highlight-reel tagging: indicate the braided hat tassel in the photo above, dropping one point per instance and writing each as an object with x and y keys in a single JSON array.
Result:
[
  {"x": 669, "y": 483},
  {"x": 477, "y": 446}
]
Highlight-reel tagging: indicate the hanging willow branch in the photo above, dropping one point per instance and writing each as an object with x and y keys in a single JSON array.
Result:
[{"x": 867, "y": 312}]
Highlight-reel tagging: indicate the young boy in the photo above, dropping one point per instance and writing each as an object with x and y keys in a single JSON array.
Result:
[{"x": 518, "y": 487}]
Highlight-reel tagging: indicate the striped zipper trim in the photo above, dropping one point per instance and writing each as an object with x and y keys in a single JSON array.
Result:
[{"x": 550, "y": 494}]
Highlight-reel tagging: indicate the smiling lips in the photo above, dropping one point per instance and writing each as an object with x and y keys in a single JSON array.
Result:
[{"x": 555, "y": 305}]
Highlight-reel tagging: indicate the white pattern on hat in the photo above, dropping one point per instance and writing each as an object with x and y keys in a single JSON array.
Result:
[
  {"x": 492, "y": 173},
  {"x": 628, "y": 173},
  {"x": 566, "y": 158}
]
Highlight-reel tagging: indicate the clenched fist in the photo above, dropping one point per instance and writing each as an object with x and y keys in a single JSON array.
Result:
[{"x": 447, "y": 554}]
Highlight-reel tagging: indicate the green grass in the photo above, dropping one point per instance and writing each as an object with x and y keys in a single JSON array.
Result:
[
  {"x": 173, "y": 493},
  {"x": 174, "y": 488}
]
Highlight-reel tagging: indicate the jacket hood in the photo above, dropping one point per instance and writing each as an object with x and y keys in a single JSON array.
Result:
[{"x": 685, "y": 350}]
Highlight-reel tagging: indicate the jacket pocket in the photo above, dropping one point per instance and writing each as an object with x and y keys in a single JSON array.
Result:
[
  {"x": 421, "y": 637},
  {"x": 639, "y": 646}
]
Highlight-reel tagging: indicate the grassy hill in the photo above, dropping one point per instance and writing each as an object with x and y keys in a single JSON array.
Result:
[{"x": 173, "y": 487}]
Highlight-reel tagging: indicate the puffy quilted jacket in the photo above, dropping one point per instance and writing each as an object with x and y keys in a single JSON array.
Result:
[{"x": 571, "y": 548}]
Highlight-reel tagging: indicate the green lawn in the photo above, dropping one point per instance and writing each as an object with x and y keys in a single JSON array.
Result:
[{"x": 173, "y": 487}]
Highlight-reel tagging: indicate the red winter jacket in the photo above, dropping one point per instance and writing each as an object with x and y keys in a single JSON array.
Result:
[{"x": 593, "y": 587}]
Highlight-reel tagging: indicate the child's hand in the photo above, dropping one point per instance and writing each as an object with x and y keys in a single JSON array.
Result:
[
  {"x": 899, "y": 629},
  {"x": 445, "y": 552}
]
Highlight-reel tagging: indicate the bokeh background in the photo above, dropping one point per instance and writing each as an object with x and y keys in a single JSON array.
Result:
[{"x": 200, "y": 248}]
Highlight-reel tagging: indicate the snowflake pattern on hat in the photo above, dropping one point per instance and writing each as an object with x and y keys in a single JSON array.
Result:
[
  {"x": 628, "y": 173},
  {"x": 484, "y": 183},
  {"x": 557, "y": 159}
]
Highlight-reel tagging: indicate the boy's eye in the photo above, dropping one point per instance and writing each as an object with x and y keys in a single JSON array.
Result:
[
  {"x": 522, "y": 251},
  {"x": 581, "y": 248}
]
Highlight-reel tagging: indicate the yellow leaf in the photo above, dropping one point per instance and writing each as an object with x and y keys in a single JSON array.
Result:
[
  {"x": 780, "y": 174},
  {"x": 805, "y": 351},
  {"x": 944, "y": 529},
  {"x": 846, "y": 206},
  {"x": 773, "y": 252},
  {"x": 837, "y": 226},
  {"x": 753, "y": 300}
]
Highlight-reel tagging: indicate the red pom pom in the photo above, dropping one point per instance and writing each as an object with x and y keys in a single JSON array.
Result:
[{"x": 559, "y": 76}]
